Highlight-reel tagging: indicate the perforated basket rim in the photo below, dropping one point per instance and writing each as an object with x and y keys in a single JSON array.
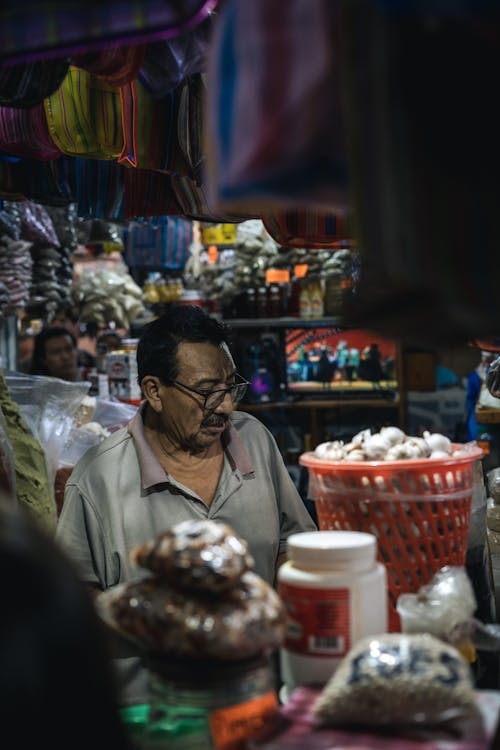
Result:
[
  {"x": 370, "y": 494},
  {"x": 309, "y": 460}
]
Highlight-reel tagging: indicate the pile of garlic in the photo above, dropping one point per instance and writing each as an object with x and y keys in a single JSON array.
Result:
[{"x": 390, "y": 444}]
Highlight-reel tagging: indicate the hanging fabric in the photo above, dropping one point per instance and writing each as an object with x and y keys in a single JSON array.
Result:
[
  {"x": 99, "y": 189},
  {"x": 28, "y": 84},
  {"x": 161, "y": 243},
  {"x": 193, "y": 201},
  {"x": 84, "y": 116},
  {"x": 118, "y": 64},
  {"x": 308, "y": 228},
  {"x": 167, "y": 63},
  {"x": 149, "y": 193},
  {"x": 24, "y": 132},
  {"x": 53, "y": 28},
  {"x": 48, "y": 182},
  {"x": 275, "y": 132},
  {"x": 150, "y": 131}
]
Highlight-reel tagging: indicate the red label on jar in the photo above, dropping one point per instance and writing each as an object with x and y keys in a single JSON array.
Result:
[{"x": 318, "y": 620}]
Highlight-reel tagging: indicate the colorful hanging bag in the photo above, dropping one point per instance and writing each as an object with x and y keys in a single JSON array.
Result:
[
  {"x": 84, "y": 116},
  {"x": 24, "y": 132}
]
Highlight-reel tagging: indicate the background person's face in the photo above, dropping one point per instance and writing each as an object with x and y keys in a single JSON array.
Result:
[{"x": 61, "y": 358}]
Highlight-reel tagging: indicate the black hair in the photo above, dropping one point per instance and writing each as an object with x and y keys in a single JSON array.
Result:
[
  {"x": 56, "y": 676},
  {"x": 68, "y": 311},
  {"x": 158, "y": 344},
  {"x": 38, "y": 366}
]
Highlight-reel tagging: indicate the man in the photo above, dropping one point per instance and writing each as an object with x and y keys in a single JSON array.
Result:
[
  {"x": 185, "y": 455},
  {"x": 55, "y": 354}
]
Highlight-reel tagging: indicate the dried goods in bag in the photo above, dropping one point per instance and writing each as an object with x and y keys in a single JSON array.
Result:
[{"x": 396, "y": 679}]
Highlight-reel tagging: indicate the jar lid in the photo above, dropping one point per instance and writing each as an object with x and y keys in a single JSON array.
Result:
[{"x": 340, "y": 550}]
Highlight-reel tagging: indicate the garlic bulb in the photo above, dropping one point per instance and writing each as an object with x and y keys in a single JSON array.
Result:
[
  {"x": 438, "y": 442},
  {"x": 393, "y": 434},
  {"x": 375, "y": 447}
]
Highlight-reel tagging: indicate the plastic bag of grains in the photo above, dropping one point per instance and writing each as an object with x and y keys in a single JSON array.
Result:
[{"x": 398, "y": 679}]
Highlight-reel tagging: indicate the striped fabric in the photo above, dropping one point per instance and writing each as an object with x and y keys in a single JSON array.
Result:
[
  {"x": 99, "y": 189},
  {"x": 193, "y": 202},
  {"x": 28, "y": 84},
  {"x": 51, "y": 28},
  {"x": 84, "y": 116},
  {"x": 307, "y": 228},
  {"x": 48, "y": 182},
  {"x": 118, "y": 64},
  {"x": 275, "y": 135},
  {"x": 150, "y": 131},
  {"x": 161, "y": 243},
  {"x": 149, "y": 193},
  {"x": 24, "y": 132}
]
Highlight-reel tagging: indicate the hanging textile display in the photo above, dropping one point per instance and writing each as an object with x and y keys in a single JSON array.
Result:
[
  {"x": 49, "y": 182},
  {"x": 167, "y": 63},
  {"x": 308, "y": 228},
  {"x": 161, "y": 243},
  {"x": 148, "y": 193},
  {"x": 84, "y": 116},
  {"x": 99, "y": 189},
  {"x": 24, "y": 132},
  {"x": 28, "y": 84},
  {"x": 274, "y": 127},
  {"x": 118, "y": 64},
  {"x": 49, "y": 28}
]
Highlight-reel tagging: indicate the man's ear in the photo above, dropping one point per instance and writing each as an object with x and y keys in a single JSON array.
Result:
[{"x": 150, "y": 386}]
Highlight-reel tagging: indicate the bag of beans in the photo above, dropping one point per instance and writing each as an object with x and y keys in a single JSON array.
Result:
[{"x": 398, "y": 679}]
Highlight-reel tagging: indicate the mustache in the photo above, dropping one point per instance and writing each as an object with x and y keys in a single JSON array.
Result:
[{"x": 215, "y": 420}]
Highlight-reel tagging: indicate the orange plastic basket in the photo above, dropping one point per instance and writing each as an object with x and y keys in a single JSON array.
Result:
[{"x": 419, "y": 510}]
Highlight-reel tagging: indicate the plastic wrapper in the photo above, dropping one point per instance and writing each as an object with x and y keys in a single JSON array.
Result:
[
  {"x": 10, "y": 220},
  {"x": 36, "y": 224},
  {"x": 445, "y": 608},
  {"x": 493, "y": 378},
  {"x": 397, "y": 679},
  {"x": 246, "y": 621},
  {"x": 493, "y": 484},
  {"x": 195, "y": 557},
  {"x": 199, "y": 617},
  {"x": 48, "y": 406}
]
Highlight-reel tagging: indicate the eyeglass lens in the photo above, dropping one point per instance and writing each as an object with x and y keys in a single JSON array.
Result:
[{"x": 217, "y": 397}]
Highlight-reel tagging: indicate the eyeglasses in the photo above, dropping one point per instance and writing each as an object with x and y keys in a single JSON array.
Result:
[{"x": 213, "y": 399}]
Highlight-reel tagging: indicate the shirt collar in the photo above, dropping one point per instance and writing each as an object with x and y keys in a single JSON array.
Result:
[{"x": 152, "y": 472}]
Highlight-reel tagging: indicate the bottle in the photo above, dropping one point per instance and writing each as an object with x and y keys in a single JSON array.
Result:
[
  {"x": 335, "y": 593},
  {"x": 205, "y": 704},
  {"x": 305, "y": 299}
]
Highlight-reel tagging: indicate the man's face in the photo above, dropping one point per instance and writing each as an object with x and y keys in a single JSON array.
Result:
[
  {"x": 187, "y": 423},
  {"x": 61, "y": 358}
]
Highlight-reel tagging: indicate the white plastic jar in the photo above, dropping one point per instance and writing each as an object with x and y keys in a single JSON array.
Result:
[{"x": 335, "y": 593}]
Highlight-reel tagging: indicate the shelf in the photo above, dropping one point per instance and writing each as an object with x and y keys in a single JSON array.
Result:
[
  {"x": 488, "y": 416},
  {"x": 288, "y": 322},
  {"x": 321, "y": 404}
]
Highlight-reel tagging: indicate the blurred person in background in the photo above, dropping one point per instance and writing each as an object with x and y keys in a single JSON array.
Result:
[
  {"x": 85, "y": 335},
  {"x": 56, "y": 682},
  {"x": 55, "y": 355}
]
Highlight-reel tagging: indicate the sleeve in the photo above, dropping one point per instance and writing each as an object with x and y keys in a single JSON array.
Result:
[
  {"x": 80, "y": 533},
  {"x": 294, "y": 516}
]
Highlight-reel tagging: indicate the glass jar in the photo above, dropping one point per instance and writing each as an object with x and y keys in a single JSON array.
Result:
[{"x": 208, "y": 705}]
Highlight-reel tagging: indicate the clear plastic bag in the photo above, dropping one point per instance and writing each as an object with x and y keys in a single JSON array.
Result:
[
  {"x": 48, "y": 406},
  {"x": 396, "y": 679}
]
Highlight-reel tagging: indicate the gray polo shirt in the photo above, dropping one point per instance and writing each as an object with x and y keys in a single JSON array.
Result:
[{"x": 119, "y": 496}]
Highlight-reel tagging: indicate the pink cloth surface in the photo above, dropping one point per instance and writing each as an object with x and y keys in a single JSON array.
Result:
[{"x": 295, "y": 729}]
